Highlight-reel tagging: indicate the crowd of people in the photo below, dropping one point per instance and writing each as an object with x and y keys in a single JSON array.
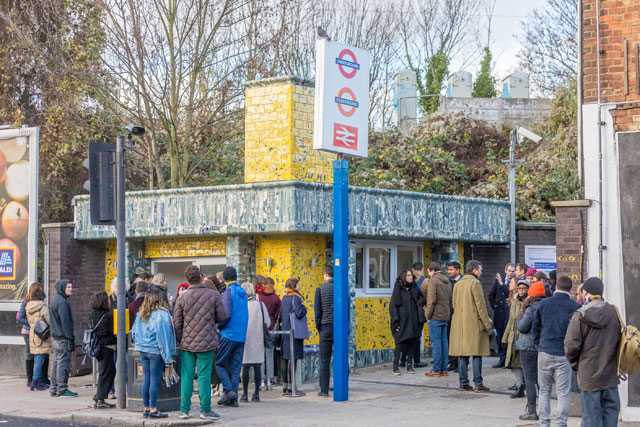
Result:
[
  {"x": 222, "y": 330},
  {"x": 542, "y": 332}
]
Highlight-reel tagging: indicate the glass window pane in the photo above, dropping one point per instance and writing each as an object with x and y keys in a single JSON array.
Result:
[
  {"x": 406, "y": 257},
  {"x": 379, "y": 268},
  {"x": 359, "y": 265}
]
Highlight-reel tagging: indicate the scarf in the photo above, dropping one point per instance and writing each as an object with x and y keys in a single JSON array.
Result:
[
  {"x": 591, "y": 299},
  {"x": 291, "y": 292}
]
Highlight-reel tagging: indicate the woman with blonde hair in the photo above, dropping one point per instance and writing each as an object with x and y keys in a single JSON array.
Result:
[
  {"x": 253, "y": 356},
  {"x": 38, "y": 311},
  {"x": 154, "y": 338},
  {"x": 159, "y": 282},
  {"x": 293, "y": 309}
]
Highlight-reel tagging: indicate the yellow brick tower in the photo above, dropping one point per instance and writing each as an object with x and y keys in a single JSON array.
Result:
[{"x": 279, "y": 133}]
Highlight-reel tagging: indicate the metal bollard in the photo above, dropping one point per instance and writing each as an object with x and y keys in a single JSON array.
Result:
[{"x": 292, "y": 363}]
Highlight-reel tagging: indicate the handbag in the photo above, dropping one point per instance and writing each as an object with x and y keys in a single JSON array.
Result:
[
  {"x": 41, "y": 329},
  {"x": 265, "y": 331},
  {"x": 299, "y": 327}
]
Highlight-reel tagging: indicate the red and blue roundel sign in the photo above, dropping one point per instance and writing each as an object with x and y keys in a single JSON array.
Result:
[{"x": 350, "y": 63}]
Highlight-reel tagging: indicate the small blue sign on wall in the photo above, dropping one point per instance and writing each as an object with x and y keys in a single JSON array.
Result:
[{"x": 7, "y": 263}]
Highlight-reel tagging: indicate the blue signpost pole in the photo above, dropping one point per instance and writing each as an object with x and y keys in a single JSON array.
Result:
[{"x": 341, "y": 280}]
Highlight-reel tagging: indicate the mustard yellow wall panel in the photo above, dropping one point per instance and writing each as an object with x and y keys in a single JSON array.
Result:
[
  {"x": 373, "y": 331},
  {"x": 291, "y": 255},
  {"x": 461, "y": 254},
  {"x": 427, "y": 254},
  {"x": 111, "y": 256},
  {"x": 187, "y": 247}
]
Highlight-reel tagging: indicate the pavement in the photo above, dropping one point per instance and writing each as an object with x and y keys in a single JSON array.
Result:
[{"x": 376, "y": 398}]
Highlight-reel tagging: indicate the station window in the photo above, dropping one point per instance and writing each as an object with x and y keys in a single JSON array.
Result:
[{"x": 379, "y": 263}]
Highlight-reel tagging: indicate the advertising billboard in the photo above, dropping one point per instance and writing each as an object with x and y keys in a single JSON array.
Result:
[
  {"x": 341, "y": 120},
  {"x": 18, "y": 211}
]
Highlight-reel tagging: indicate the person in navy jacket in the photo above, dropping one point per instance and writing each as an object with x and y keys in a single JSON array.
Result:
[{"x": 499, "y": 301}]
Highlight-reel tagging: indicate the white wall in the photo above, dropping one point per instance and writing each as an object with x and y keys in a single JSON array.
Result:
[{"x": 613, "y": 274}]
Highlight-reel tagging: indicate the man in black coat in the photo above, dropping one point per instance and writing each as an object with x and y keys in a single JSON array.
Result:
[
  {"x": 323, "y": 310},
  {"x": 63, "y": 339},
  {"x": 498, "y": 299}
]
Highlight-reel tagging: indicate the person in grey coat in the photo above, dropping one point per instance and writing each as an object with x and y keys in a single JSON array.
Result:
[{"x": 253, "y": 356}]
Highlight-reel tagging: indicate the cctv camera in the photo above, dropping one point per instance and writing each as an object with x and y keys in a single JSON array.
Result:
[
  {"x": 526, "y": 133},
  {"x": 135, "y": 130}
]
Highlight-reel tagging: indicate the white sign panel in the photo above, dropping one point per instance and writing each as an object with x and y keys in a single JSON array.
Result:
[
  {"x": 542, "y": 258},
  {"x": 342, "y": 99}
]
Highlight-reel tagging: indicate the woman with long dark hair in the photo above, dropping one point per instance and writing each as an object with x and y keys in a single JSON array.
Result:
[
  {"x": 155, "y": 339},
  {"x": 292, "y": 303},
  {"x": 102, "y": 320},
  {"x": 406, "y": 312}
]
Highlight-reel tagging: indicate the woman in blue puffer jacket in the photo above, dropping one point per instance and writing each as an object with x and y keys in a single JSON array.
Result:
[{"x": 154, "y": 338}]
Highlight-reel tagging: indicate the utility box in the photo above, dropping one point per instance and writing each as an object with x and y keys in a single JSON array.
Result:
[
  {"x": 516, "y": 85},
  {"x": 459, "y": 85},
  {"x": 405, "y": 99}
]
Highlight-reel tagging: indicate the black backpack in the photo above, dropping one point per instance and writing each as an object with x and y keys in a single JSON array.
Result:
[{"x": 90, "y": 345}]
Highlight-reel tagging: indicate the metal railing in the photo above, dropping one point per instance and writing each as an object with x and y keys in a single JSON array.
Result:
[{"x": 292, "y": 362}]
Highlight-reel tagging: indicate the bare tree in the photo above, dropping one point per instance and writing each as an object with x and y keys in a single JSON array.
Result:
[
  {"x": 549, "y": 46},
  {"x": 176, "y": 67}
]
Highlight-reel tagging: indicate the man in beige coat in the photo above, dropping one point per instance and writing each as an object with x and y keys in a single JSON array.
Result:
[{"x": 470, "y": 327}]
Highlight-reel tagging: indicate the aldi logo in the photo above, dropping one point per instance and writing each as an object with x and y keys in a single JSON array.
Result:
[
  {"x": 345, "y": 136},
  {"x": 7, "y": 263}
]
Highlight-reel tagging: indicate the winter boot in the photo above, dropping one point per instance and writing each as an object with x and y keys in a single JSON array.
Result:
[
  {"x": 396, "y": 370},
  {"x": 530, "y": 414},
  {"x": 410, "y": 369},
  {"x": 29, "y": 366},
  {"x": 518, "y": 393}
]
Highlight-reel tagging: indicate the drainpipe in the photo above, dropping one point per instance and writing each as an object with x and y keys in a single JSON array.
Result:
[
  {"x": 579, "y": 85},
  {"x": 601, "y": 246}
]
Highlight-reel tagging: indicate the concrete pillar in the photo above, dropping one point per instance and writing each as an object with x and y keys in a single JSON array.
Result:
[{"x": 405, "y": 100}]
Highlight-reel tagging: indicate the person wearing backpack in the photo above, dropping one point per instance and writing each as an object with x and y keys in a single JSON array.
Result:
[
  {"x": 591, "y": 346},
  {"x": 101, "y": 321},
  {"x": 64, "y": 341},
  {"x": 37, "y": 311}
]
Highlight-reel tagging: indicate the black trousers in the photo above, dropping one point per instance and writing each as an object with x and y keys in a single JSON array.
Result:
[
  {"x": 403, "y": 347},
  {"x": 529, "y": 360},
  {"x": 257, "y": 377},
  {"x": 502, "y": 348},
  {"x": 106, "y": 372},
  {"x": 326, "y": 349}
]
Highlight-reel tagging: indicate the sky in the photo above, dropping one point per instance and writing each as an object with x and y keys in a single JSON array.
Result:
[{"x": 507, "y": 16}]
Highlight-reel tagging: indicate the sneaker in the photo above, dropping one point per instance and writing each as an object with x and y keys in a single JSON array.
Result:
[
  {"x": 68, "y": 393},
  {"x": 255, "y": 398},
  {"x": 158, "y": 414},
  {"x": 233, "y": 403},
  {"x": 403, "y": 364},
  {"x": 145, "y": 414},
  {"x": 396, "y": 370},
  {"x": 244, "y": 398},
  {"x": 184, "y": 415},
  {"x": 410, "y": 369},
  {"x": 227, "y": 397},
  {"x": 262, "y": 385},
  {"x": 210, "y": 415},
  {"x": 270, "y": 384},
  {"x": 322, "y": 394}
]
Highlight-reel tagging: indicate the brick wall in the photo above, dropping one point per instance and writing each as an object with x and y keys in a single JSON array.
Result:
[
  {"x": 82, "y": 262},
  {"x": 569, "y": 238},
  {"x": 619, "y": 21},
  {"x": 528, "y": 236}
]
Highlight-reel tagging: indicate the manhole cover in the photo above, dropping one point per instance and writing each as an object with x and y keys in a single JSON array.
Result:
[{"x": 465, "y": 396}]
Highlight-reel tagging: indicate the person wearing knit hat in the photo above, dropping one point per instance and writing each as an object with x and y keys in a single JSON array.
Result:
[
  {"x": 510, "y": 337},
  {"x": 527, "y": 347},
  {"x": 591, "y": 346},
  {"x": 530, "y": 273}
]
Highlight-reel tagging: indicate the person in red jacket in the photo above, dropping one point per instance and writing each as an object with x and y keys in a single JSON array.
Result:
[{"x": 266, "y": 293}]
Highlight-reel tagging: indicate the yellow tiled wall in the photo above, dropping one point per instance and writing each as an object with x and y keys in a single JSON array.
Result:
[
  {"x": 279, "y": 135},
  {"x": 372, "y": 324},
  {"x": 186, "y": 247},
  {"x": 111, "y": 256},
  {"x": 461, "y": 254},
  {"x": 291, "y": 254}
]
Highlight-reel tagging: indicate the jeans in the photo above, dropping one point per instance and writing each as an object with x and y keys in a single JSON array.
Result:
[
  {"x": 106, "y": 372},
  {"x": 267, "y": 368},
  {"x": 326, "y": 348},
  {"x": 553, "y": 369},
  {"x": 191, "y": 361},
  {"x": 600, "y": 408},
  {"x": 37, "y": 365},
  {"x": 152, "y": 367},
  {"x": 256, "y": 378},
  {"x": 440, "y": 344},
  {"x": 463, "y": 370},
  {"x": 231, "y": 351},
  {"x": 61, "y": 366},
  {"x": 529, "y": 360},
  {"x": 27, "y": 348}
]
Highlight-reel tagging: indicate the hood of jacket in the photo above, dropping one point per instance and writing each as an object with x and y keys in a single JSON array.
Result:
[
  {"x": 61, "y": 287},
  {"x": 597, "y": 314},
  {"x": 440, "y": 277},
  {"x": 33, "y": 307}
]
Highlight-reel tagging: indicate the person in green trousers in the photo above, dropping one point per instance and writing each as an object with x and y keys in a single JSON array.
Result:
[{"x": 197, "y": 311}]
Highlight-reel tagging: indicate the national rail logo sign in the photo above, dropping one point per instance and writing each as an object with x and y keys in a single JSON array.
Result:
[
  {"x": 341, "y": 117},
  {"x": 7, "y": 263}
]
